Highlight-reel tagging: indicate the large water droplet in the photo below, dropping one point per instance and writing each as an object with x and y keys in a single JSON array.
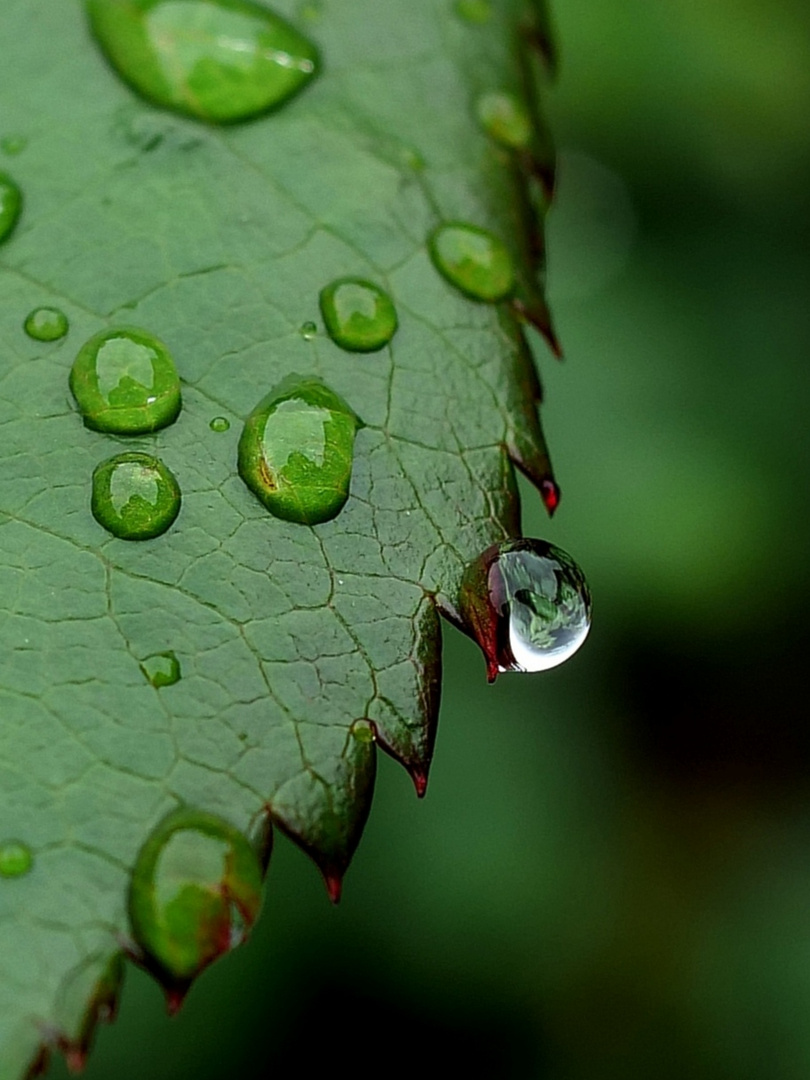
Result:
[
  {"x": 358, "y": 315},
  {"x": 473, "y": 260},
  {"x": 125, "y": 382},
  {"x": 195, "y": 894},
  {"x": 474, "y": 11},
  {"x": 296, "y": 451},
  {"x": 46, "y": 324},
  {"x": 135, "y": 497},
  {"x": 505, "y": 119},
  {"x": 161, "y": 669},
  {"x": 10, "y": 206},
  {"x": 527, "y": 605},
  {"x": 219, "y": 60},
  {"x": 15, "y": 859}
]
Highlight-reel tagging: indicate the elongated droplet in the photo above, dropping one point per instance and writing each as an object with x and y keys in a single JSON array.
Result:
[
  {"x": 161, "y": 669},
  {"x": 358, "y": 315},
  {"x": 473, "y": 260},
  {"x": 219, "y": 60},
  {"x": 195, "y": 894},
  {"x": 10, "y": 206},
  {"x": 220, "y": 424},
  {"x": 527, "y": 604},
  {"x": 46, "y": 324},
  {"x": 125, "y": 382},
  {"x": 135, "y": 497},
  {"x": 474, "y": 11},
  {"x": 296, "y": 451},
  {"x": 15, "y": 859},
  {"x": 505, "y": 119}
]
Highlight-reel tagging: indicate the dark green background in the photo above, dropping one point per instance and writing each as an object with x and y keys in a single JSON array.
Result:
[{"x": 610, "y": 875}]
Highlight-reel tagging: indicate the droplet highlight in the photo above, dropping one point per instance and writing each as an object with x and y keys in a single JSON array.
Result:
[
  {"x": 527, "y": 604},
  {"x": 220, "y": 424},
  {"x": 135, "y": 496},
  {"x": 296, "y": 451},
  {"x": 474, "y": 11},
  {"x": 125, "y": 382},
  {"x": 473, "y": 260},
  {"x": 15, "y": 859},
  {"x": 505, "y": 119},
  {"x": 359, "y": 316},
  {"x": 46, "y": 324},
  {"x": 10, "y": 206},
  {"x": 162, "y": 669},
  {"x": 195, "y": 894},
  {"x": 309, "y": 331},
  {"x": 217, "y": 60}
]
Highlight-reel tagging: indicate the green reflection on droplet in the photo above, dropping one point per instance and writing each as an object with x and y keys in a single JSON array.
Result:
[
  {"x": 13, "y": 144},
  {"x": 363, "y": 731},
  {"x": 220, "y": 423},
  {"x": 195, "y": 893},
  {"x": 135, "y": 497},
  {"x": 46, "y": 324},
  {"x": 505, "y": 118},
  {"x": 296, "y": 451},
  {"x": 125, "y": 382},
  {"x": 15, "y": 859},
  {"x": 474, "y": 11},
  {"x": 10, "y": 205},
  {"x": 358, "y": 315},
  {"x": 473, "y": 260},
  {"x": 219, "y": 60},
  {"x": 309, "y": 331},
  {"x": 161, "y": 669}
]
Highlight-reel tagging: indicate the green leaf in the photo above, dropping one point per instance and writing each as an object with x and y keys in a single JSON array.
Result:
[{"x": 295, "y": 643}]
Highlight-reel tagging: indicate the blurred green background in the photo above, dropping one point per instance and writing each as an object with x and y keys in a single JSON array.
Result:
[{"x": 610, "y": 875}]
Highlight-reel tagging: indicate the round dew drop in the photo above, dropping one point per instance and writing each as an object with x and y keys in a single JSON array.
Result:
[
  {"x": 125, "y": 382},
  {"x": 15, "y": 859},
  {"x": 473, "y": 260},
  {"x": 359, "y": 316},
  {"x": 220, "y": 424},
  {"x": 505, "y": 119},
  {"x": 10, "y": 206},
  {"x": 309, "y": 331},
  {"x": 162, "y": 669},
  {"x": 135, "y": 497},
  {"x": 46, "y": 324}
]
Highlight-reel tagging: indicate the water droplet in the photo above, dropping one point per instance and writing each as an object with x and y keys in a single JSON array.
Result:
[
  {"x": 363, "y": 731},
  {"x": 527, "y": 605},
  {"x": 220, "y": 423},
  {"x": 15, "y": 859},
  {"x": 125, "y": 382},
  {"x": 161, "y": 669},
  {"x": 46, "y": 324},
  {"x": 296, "y": 451},
  {"x": 474, "y": 11},
  {"x": 10, "y": 206},
  {"x": 195, "y": 894},
  {"x": 505, "y": 119},
  {"x": 309, "y": 331},
  {"x": 473, "y": 260},
  {"x": 219, "y": 60},
  {"x": 359, "y": 316},
  {"x": 13, "y": 144},
  {"x": 135, "y": 497}
]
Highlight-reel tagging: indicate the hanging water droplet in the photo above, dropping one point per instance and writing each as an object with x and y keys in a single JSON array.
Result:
[
  {"x": 219, "y": 60},
  {"x": 473, "y": 260},
  {"x": 10, "y": 206},
  {"x": 15, "y": 859},
  {"x": 364, "y": 731},
  {"x": 296, "y": 451},
  {"x": 13, "y": 144},
  {"x": 505, "y": 119},
  {"x": 125, "y": 382},
  {"x": 309, "y": 331},
  {"x": 474, "y": 11},
  {"x": 195, "y": 894},
  {"x": 358, "y": 315},
  {"x": 161, "y": 669},
  {"x": 527, "y": 604},
  {"x": 135, "y": 497},
  {"x": 46, "y": 324},
  {"x": 220, "y": 423}
]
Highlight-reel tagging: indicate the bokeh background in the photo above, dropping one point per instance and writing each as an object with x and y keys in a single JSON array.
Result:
[{"x": 610, "y": 874}]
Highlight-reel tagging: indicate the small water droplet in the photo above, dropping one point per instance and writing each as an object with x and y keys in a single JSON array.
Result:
[
  {"x": 125, "y": 382},
  {"x": 296, "y": 451},
  {"x": 135, "y": 497},
  {"x": 220, "y": 423},
  {"x": 473, "y": 260},
  {"x": 219, "y": 60},
  {"x": 15, "y": 859},
  {"x": 195, "y": 894},
  {"x": 527, "y": 604},
  {"x": 363, "y": 731},
  {"x": 505, "y": 119},
  {"x": 309, "y": 331},
  {"x": 358, "y": 315},
  {"x": 474, "y": 11},
  {"x": 161, "y": 669},
  {"x": 46, "y": 324},
  {"x": 13, "y": 144},
  {"x": 10, "y": 206}
]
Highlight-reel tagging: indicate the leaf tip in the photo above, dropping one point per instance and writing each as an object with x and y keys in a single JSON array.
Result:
[
  {"x": 419, "y": 775},
  {"x": 550, "y": 494},
  {"x": 175, "y": 998},
  {"x": 334, "y": 885}
]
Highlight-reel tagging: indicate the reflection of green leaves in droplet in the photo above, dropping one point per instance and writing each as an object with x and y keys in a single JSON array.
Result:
[
  {"x": 473, "y": 260},
  {"x": 46, "y": 324},
  {"x": 161, "y": 669},
  {"x": 359, "y": 316},
  {"x": 135, "y": 497},
  {"x": 10, "y": 205},
  {"x": 15, "y": 859}
]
